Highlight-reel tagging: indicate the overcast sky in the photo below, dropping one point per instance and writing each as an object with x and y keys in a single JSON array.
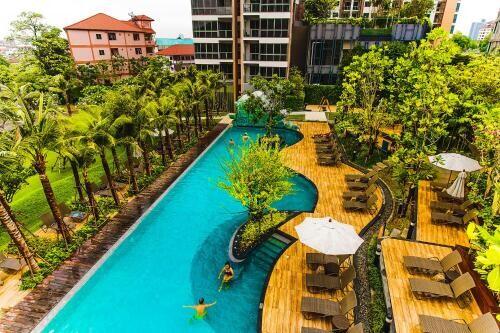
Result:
[{"x": 172, "y": 17}]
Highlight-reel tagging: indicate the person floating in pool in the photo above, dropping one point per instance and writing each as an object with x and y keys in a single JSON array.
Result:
[
  {"x": 231, "y": 142},
  {"x": 245, "y": 137},
  {"x": 227, "y": 274},
  {"x": 200, "y": 308}
]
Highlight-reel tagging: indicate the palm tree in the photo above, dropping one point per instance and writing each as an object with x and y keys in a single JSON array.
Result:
[
  {"x": 211, "y": 82},
  {"x": 166, "y": 119},
  {"x": 84, "y": 156},
  {"x": 8, "y": 220},
  {"x": 98, "y": 136},
  {"x": 37, "y": 131}
]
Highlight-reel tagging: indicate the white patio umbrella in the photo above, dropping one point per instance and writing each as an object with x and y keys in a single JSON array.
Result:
[
  {"x": 455, "y": 162},
  {"x": 328, "y": 236},
  {"x": 457, "y": 189}
]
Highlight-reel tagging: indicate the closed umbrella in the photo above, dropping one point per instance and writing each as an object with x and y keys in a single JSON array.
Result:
[
  {"x": 328, "y": 236},
  {"x": 457, "y": 189}
]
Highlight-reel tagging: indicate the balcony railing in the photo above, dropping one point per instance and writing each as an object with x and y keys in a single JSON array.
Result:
[
  {"x": 212, "y": 11},
  {"x": 225, "y": 34},
  {"x": 266, "y": 8},
  {"x": 266, "y": 57}
]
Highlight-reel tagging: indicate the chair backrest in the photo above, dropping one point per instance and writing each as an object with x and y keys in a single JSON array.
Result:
[
  {"x": 94, "y": 187},
  {"x": 347, "y": 277},
  {"x": 466, "y": 204},
  {"x": 451, "y": 260},
  {"x": 2, "y": 256},
  {"x": 372, "y": 173},
  {"x": 470, "y": 215},
  {"x": 47, "y": 219},
  {"x": 371, "y": 189},
  {"x": 462, "y": 284},
  {"x": 372, "y": 180},
  {"x": 332, "y": 268},
  {"x": 358, "y": 328},
  {"x": 371, "y": 201},
  {"x": 485, "y": 323},
  {"x": 348, "y": 303}
]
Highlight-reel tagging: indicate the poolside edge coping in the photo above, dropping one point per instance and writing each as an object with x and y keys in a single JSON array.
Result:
[{"x": 24, "y": 316}]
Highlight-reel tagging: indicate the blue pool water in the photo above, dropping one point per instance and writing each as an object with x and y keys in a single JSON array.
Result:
[{"x": 173, "y": 257}]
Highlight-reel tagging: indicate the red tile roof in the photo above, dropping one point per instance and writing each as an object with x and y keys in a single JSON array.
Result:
[
  {"x": 141, "y": 18},
  {"x": 105, "y": 22},
  {"x": 178, "y": 49}
]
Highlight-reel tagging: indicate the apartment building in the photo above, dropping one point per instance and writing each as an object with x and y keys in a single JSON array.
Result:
[
  {"x": 101, "y": 37},
  {"x": 494, "y": 44},
  {"x": 485, "y": 30},
  {"x": 445, "y": 14},
  {"x": 243, "y": 38},
  {"x": 181, "y": 56}
]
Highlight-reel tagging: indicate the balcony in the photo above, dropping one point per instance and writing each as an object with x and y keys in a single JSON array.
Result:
[
  {"x": 266, "y": 8},
  {"x": 225, "y": 34},
  {"x": 212, "y": 11}
]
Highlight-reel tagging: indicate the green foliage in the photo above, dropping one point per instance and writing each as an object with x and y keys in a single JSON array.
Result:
[
  {"x": 12, "y": 179},
  {"x": 52, "y": 53},
  {"x": 318, "y": 9},
  {"x": 27, "y": 27},
  {"x": 376, "y": 32},
  {"x": 315, "y": 93},
  {"x": 254, "y": 230},
  {"x": 294, "y": 103},
  {"x": 417, "y": 8},
  {"x": 483, "y": 45},
  {"x": 377, "y": 310},
  {"x": 94, "y": 95},
  {"x": 464, "y": 42},
  {"x": 256, "y": 176}
]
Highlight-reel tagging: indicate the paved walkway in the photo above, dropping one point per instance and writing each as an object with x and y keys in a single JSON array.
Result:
[
  {"x": 281, "y": 312},
  {"x": 312, "y": 116},
  {"x": 32, "y": 309}
]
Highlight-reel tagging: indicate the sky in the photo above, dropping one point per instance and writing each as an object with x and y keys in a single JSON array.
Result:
[{"x": 172, "y": 17}]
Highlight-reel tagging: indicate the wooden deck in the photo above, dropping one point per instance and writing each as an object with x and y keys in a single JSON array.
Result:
[
  {"x": 24, "y": 316},
  {"x": 281, "y": 312},
  {"x": 433, "y": 233},
  {"x": 405, "y": 306}
]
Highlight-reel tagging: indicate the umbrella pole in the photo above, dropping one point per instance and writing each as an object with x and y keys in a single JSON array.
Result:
[{"x": 449, "y": 178}]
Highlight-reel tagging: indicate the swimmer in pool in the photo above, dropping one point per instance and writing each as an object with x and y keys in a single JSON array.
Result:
[
  {"x": 200, "y": 308},
  {"x": 231, "y": 142},
  {"x": 227, "y": 274},
  {"x": 245, "y": 137}
]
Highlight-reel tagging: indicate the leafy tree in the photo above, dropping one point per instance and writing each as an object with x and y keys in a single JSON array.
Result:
[
  {"x": 417, "y": 8},
  {"x": 483, "y": 45},
  {"x": 27, "y": 27},
  {"x": 256, "y": 176},
  {"x": 365, "y": 79},
  {"x": 318, "y": 9},
  {"x": 52, "y": 53},
  {"x": 464, "y": 42}
]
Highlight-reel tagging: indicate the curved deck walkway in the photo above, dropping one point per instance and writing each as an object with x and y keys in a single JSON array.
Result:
[{"x": 281, "y": 311}]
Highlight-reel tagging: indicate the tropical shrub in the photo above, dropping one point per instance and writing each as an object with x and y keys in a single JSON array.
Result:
[
  {"x": 314, "y": 93},
  {"x": 253, "y": 231},
  {"x": 377, "y": 309}
]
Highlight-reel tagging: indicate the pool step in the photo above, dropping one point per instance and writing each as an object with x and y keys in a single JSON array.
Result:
[{"x": 267, "y": 252}]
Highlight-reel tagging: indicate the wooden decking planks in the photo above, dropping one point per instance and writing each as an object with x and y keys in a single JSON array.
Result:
[
  {"x": 281, "y": 312},
  {"x": 433, "y": 233},
  {"x": 405, "y": 306},
  {"x": 24, "y": 316}
]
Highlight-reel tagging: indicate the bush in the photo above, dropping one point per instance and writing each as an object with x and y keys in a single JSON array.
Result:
[
  {"x": 377, "y": 310},
  {"x": 294, "y": 103},
  {"x": 314, "y": 93},
  {"x": 252, "y": 231}
]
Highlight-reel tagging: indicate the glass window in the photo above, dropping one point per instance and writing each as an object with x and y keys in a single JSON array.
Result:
[
  {"x": 138, "y": 50},
  {"x": 137, "y": 37},
  {"x": 112, "y": 36},
  {"x": 114, "y": 52},
  {"x": 98, "y": 36},
  {"x": 101, "y": 52}
]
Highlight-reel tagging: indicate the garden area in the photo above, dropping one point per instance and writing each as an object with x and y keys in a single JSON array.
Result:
[{"x": 82, "y": 140}]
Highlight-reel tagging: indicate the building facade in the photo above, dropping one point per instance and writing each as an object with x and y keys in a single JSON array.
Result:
[
  {"x": 494, "y": 44},
  {"x": 163, "y": 43},
  {"x": 102, "y": 37},
  {"x": 181, "y": 56},
  {"x": 243, "y": 38},
  {"x": 485, "y": 30},
  {"x": 474, "y": 29},
  {"x": 445, "y": 14}
]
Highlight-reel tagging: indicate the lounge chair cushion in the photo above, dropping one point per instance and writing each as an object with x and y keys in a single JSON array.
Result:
[
  {"x": 431, "y": 324},
  {"x": 322, "y": 281},
  {"x": 322, "y": 307},
  {"x": 423, "y": 264},
  {"x": 433, "y": 288}
]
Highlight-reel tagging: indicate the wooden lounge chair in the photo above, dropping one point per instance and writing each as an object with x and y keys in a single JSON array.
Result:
[
  {"x": 11, "y": 265},
  {"x": 119, "y": 186},
  {"x": 322, "y": 308},
  {"x": 360, "y": 177},
  {"x": 433, "y": 265},
  {"x": 313, "y": 260},
  {"x": 444, "y": 196},
  {"x": 362, "y": 185},
  {"x": 458, "y": 289},
  {"x": 358, "y": 328},
  {"x": 445, "y": 218},
  {"x": 454, "y": 208},
  {"x": 368, "y": 205},
  {"x": 317, "y": 282},
  {"x": 485, "y": 323},
  {"x": 360, "y": 195},
  {"x": 330, "y": 161}
]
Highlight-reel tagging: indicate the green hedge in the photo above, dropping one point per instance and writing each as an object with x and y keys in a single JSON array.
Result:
[
  {"x": 314, "y": 93},
  {"x": 294, "y": 103},
  {"x": 376, "y": 32}
]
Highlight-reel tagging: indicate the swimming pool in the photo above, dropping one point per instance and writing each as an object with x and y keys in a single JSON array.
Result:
[{"x": 173, "y": 257}]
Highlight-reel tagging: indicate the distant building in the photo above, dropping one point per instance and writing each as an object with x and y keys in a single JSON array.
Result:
[
  {"x": 101, "y": 37},
  {"x": 163, "y": 43},
  {"x": 494, "y": 44},
  {"x": 485, "y": 30},
  {"x": 181, "y": 55},
  {"x": 474, "y": 29},
  {"x": 445, "y": 14}
]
